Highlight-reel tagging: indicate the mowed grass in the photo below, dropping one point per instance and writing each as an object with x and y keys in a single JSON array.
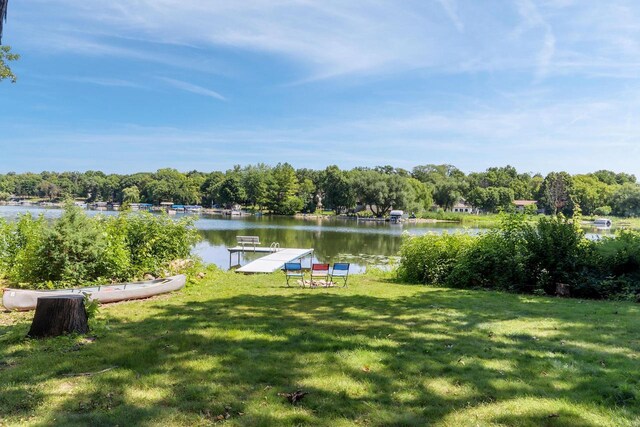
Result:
[{"x": 377, "y": 353}]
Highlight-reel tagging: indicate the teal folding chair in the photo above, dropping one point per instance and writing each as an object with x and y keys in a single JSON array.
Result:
[
  {"x": 293, "y": 270},
  {"x": 340, "y": 271}
]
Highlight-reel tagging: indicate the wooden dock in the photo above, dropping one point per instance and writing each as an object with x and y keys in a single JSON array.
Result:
[{"x": 272, "y": 262}]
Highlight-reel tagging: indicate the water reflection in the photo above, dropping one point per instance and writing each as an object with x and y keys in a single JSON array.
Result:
[{"x": 333, "y": 240}]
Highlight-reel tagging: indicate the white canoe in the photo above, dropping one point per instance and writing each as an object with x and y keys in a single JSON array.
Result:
[{"x": 25, "y": 299}]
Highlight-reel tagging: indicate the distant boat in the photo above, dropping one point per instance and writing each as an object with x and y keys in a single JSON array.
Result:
[
  {"x": 396, "y": 216},
  {"x": 602, "y": 223},
  {"x": 25, "y": 299}
]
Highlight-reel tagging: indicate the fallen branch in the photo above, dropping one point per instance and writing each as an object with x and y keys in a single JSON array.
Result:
[
  {"x": 90, "y": 374},
  {"x": 294, "y": 397}
]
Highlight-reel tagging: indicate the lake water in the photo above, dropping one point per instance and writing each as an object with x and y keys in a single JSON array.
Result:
[{"x": 334, "y": 240}]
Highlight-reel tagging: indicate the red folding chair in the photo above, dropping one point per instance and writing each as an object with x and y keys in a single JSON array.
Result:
[{"x": 318, "y": 272}]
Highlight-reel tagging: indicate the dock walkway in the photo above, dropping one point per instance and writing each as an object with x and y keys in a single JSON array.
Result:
[{"x": 274, "y": 261}]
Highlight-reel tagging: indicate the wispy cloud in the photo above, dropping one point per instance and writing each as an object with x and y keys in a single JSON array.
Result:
[
  {"x": 104, "y": 81},
  {"x": 451, "y": 9},
  {"x": 532, "y": 20},
  {"x": 335, "y": 38},
  {"x": 190, "y": 87},
  {"x": 541, "y": 84}
]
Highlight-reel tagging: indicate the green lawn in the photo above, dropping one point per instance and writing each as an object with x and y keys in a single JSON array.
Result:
[{"x": 377, "y": 353}]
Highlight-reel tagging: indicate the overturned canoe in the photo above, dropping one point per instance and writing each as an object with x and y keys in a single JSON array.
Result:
[{"x": 25, "y": 299}]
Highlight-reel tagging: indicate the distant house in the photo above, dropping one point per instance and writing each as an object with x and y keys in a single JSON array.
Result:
[
  {"x": 522, "y": 204},
  {"x": 463, "y": 207}
]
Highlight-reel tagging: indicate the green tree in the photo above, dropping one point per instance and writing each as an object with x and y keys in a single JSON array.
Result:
[
  {"x": 138, "y": 180},
  {"x": 420, "y": 197},
  {"x": 282, "y": 187},
  {"x": 612, "y": 178},
  {"x": 231, "y": 191},
  {"x": 172, "y": 185},
  {"x": 27, "y": 185},
  {"x": 254, "y": 181},
  {"x": 625, "y": 201},
  {"x": 491, "y": 199},
  {"x": 131, "y": 195},
  {"x": 381, "y": 191},
  {"x": 590, "y": 193},
  {"x": 338, "y": 190},
  {"x": 210, "y": 188},
  {"x": 49, "y": 190},
  {"x": 505, "y": 177},
  {"x": 5, "y": 51},
  {"x": 556, "y": 193},
  {"x": 447, "y": 193},
  {"x": 433, "y": 174},
  {"x": 306, "y": 193},
  {"x": 5, "y": 57}
]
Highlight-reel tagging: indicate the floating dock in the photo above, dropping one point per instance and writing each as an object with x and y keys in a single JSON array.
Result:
[{"x": 272, "y": 262}]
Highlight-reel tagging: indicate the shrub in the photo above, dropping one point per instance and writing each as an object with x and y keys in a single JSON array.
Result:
[
  {"x": 431, "y": 257},
  {"x": 19, "y": 245},
  {"x": 496, "y": 259},
  {"x": 76, "y": 249},
  {"x": 153, "y": 241},
  {"x": 602, "y": 211},
  {"x": 521, "y": 257},
  {"x": 528, "y": 258},
  {"x": 616, "y": 267},
  {"x": 556, "y": 252},
  {"x": 71, "y": 250}
]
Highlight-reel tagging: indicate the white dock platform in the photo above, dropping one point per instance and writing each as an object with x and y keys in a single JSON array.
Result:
[{"x": 275, "y": 261}]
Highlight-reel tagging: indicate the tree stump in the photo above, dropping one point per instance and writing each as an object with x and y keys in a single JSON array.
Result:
[
  {"x": 59, "y": 315},
  {"x": 563, "y": 290}
]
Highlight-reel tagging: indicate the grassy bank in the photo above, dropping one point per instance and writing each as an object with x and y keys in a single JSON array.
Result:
[{"x": 377, "y": 353}]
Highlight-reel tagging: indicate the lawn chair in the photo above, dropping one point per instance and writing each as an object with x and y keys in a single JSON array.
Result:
[
  {"x": 340, "y": 271},
  {"x": 319, "y": 271},
  {"x": 293, "y": 269}
]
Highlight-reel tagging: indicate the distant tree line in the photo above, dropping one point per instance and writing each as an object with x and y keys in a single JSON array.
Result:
[{"x": 281, "y": 189}]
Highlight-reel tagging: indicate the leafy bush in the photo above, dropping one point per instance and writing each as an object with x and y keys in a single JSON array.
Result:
[
  {"x": 431, "y": 257},
  {"x": 153, "y": 240},
  {"x": 496, "y": 259},
  {"x": 76, "y": 249},
  {"x": 19, "y": 245},
  {"x": 528, "y": 258},
  {"x": 616, "y": 266},
  {"x": 556, "y": 251},
  {"x": 602, "y": 210}
]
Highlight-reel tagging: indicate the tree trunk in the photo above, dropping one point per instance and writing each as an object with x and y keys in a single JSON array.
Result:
[{"x": 59, "y": 315}]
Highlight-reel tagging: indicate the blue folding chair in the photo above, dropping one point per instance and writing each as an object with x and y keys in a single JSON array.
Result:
[
  {"x": 340, "y": 271},
  {"x": 293, "y": 270}
]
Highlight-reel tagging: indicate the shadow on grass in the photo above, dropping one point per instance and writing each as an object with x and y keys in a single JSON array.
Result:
[{"x": 411, "y": 360}]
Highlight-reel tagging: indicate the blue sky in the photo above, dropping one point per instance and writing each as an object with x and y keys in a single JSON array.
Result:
[{"x": 126, "y": 85}]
